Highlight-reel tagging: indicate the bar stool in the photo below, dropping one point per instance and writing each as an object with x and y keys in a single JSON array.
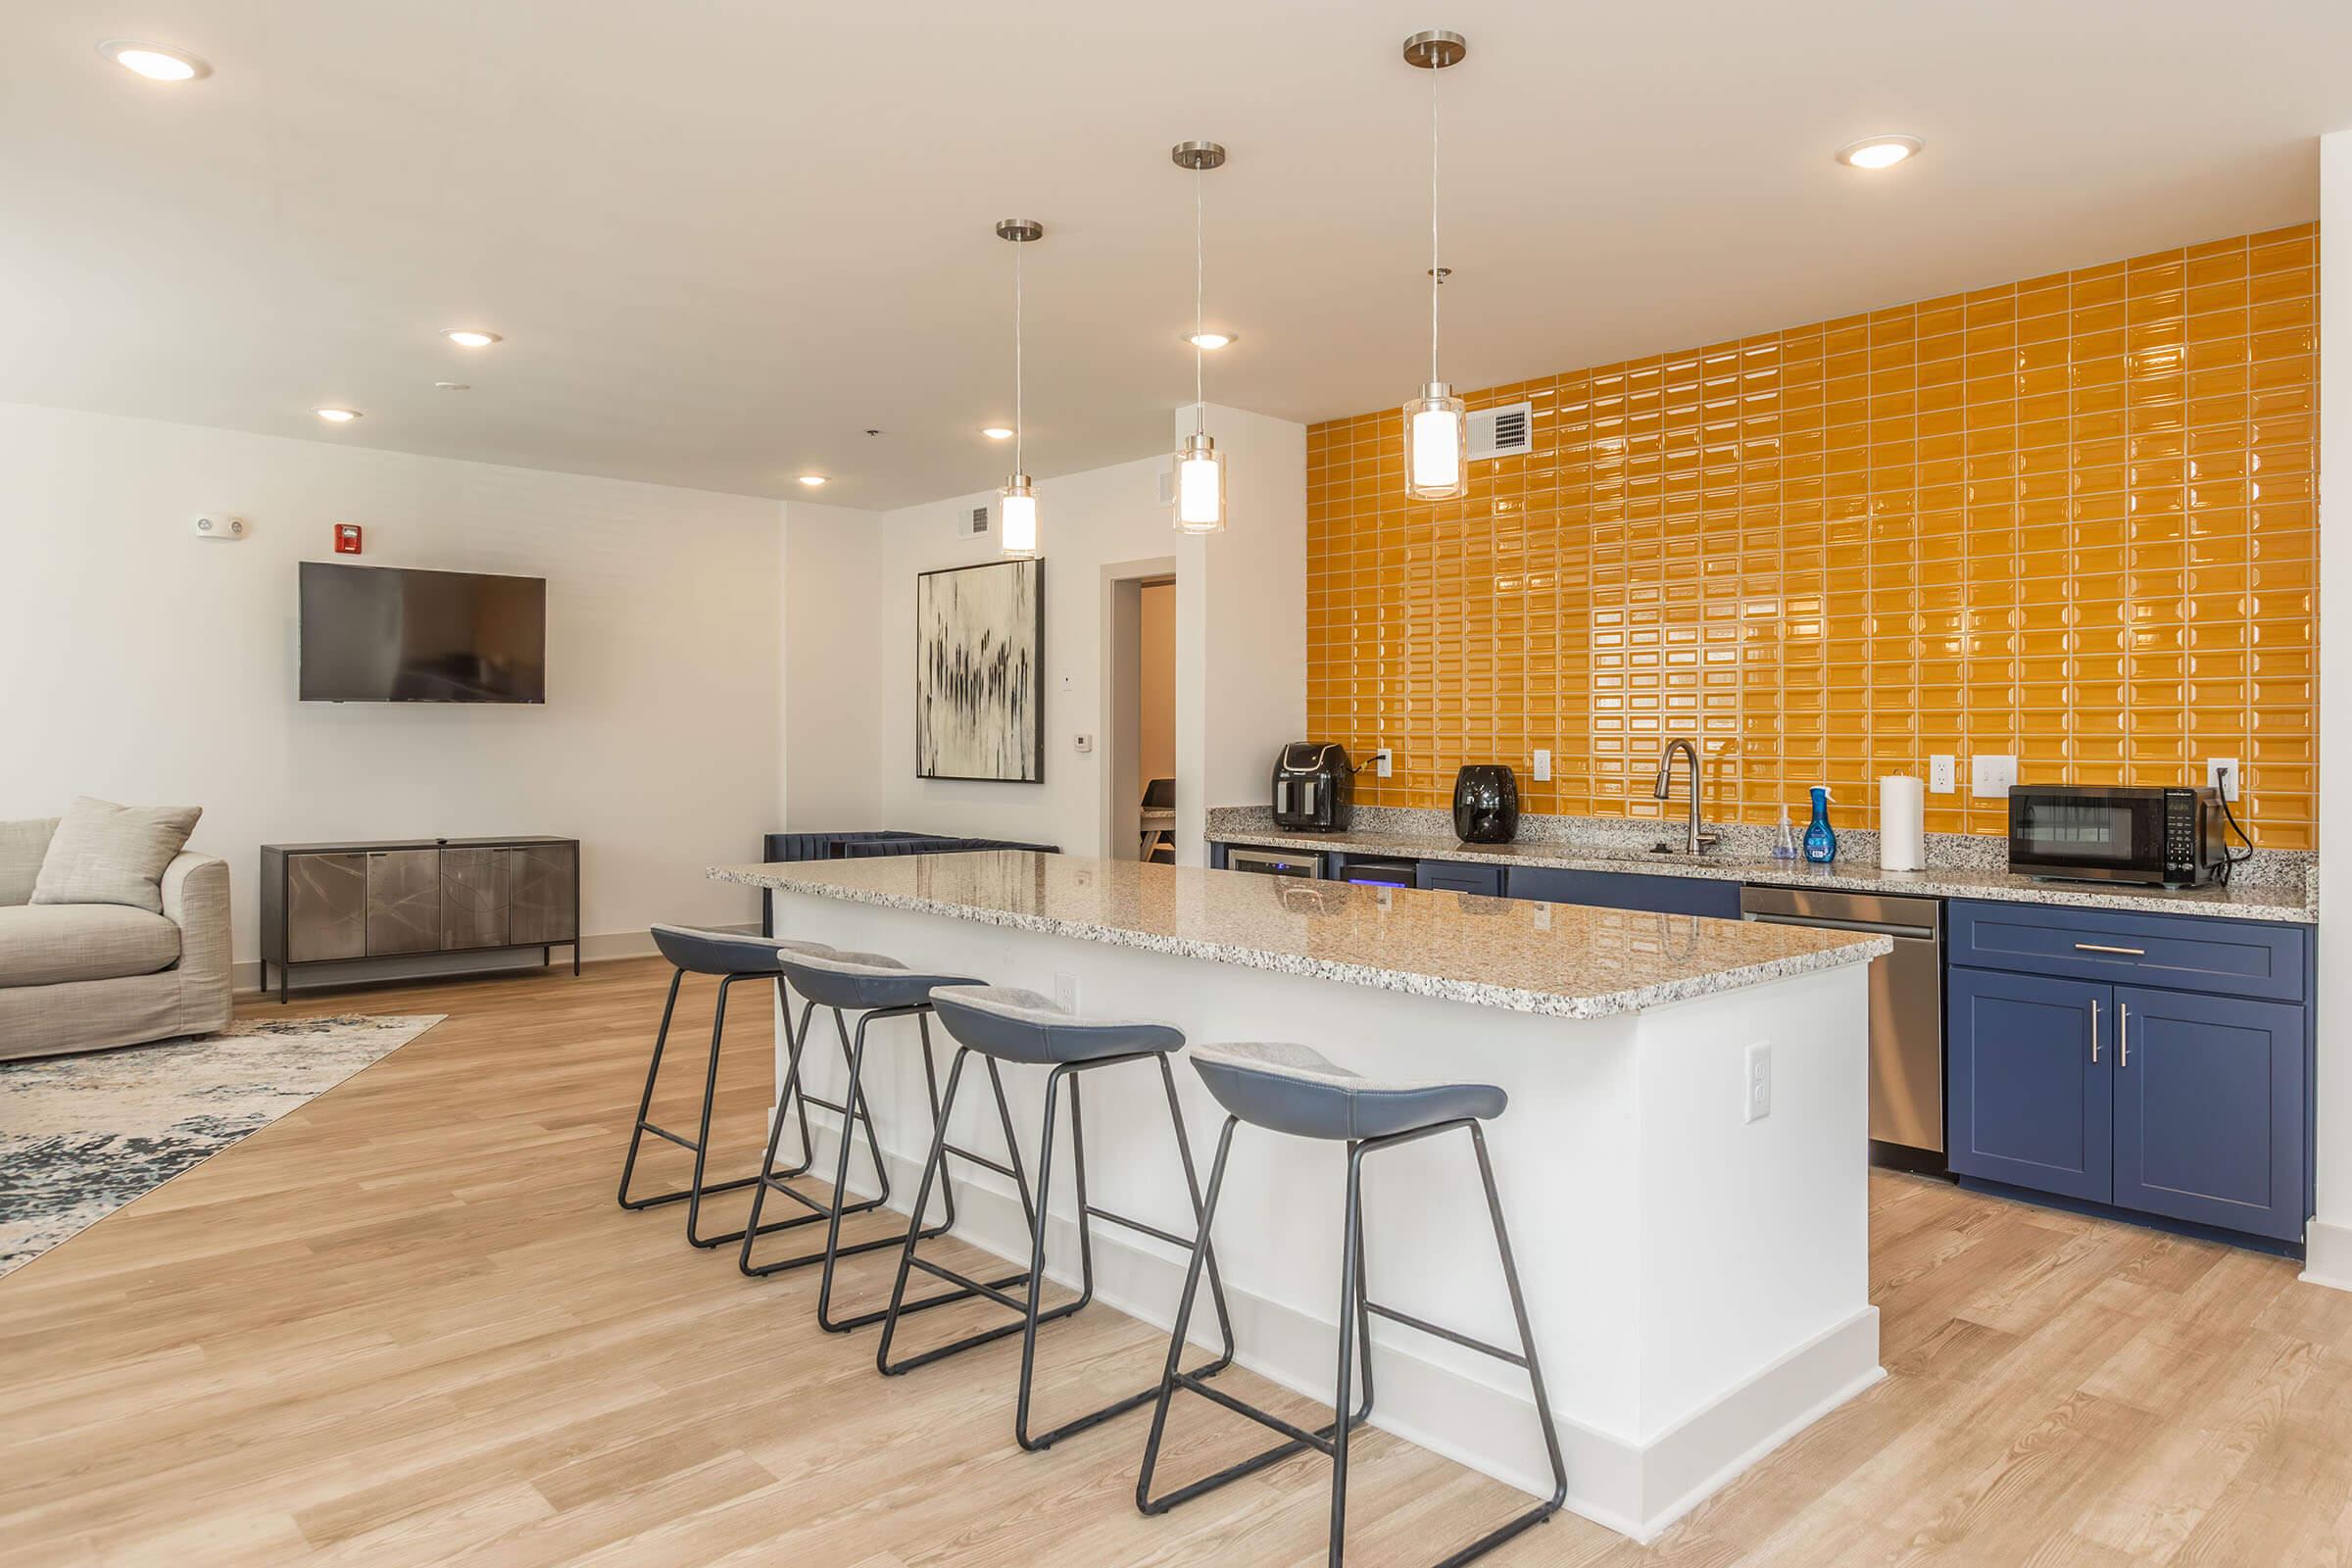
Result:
[
  {"x": 1004, "y": 1023},
  {"x": 1291, "y": 1089},
  {"x": 875, "y": 986},
  {"x": 730, "y": 956}
]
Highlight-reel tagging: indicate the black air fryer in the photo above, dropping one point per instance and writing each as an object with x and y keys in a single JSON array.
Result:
[
  {"x": 1485, "y": 804},
  {"x": 1314, "y": 787}
]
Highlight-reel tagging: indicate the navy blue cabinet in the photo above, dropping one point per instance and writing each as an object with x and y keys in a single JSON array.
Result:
[
  {"x": 1461, "y": 876},
  {"x": 2160, "y": 1063},
  {"x": 2209, "y": 1109},
  {"x": 2030, "y": 1093},
  {"x": 1627, "y": 890}
]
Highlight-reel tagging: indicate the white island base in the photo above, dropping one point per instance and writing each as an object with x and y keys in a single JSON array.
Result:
[{"x": 1697, "y": 1282}]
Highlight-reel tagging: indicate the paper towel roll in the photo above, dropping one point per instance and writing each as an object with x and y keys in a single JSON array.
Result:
[{"x": 1902, "y": 823}]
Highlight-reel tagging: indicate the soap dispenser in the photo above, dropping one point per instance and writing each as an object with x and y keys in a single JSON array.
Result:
[
  {"x": 1821, "y": 841},
  {"x": 1784, "y": 842}
]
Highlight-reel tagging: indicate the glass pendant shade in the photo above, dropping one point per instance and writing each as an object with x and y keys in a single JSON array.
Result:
[
  {"x": 1437, "y": 432},
  {"x": 1199, "y": 486},
  {"x": 1016, "y": 509}
]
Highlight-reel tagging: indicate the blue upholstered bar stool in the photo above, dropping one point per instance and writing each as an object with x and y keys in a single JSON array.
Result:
[
  {"x": 731, "y": 957},
  {"x": 1000, "y": 1024},
  {"x": 876, "y": 988},
  {"x": 1291, "y": 1089}
]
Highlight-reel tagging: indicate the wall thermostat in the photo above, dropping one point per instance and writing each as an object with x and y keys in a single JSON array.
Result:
[
  {"x": 347, "y": 538},
  {"x": 214, "y": 527}
]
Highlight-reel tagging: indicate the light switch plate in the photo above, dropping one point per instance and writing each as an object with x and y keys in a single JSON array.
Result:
[
  {"x": 1941, "y": 773},
  {"x": 1992, "y": 775},
  {"x": 2213, "y": 775},
  {"x": 1543, "y": 766}
]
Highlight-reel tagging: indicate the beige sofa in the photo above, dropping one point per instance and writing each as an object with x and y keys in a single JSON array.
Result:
[{"x": 84, "y": 976}]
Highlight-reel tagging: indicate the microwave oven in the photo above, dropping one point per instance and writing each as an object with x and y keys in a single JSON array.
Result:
[{"x": 2162, "y": 835}]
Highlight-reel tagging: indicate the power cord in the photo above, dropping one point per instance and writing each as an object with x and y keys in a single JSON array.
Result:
[{"x": 2229, "y": 859}]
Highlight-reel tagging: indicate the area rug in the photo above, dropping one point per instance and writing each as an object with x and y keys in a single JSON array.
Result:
[{"x": 82, "y": 1136}]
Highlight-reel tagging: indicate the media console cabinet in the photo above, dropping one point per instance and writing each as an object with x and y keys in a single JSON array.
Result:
[{"x": 353, "y": 902}]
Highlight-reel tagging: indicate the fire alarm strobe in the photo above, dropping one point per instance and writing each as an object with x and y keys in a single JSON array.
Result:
[
  {"x": 219, "y": 527},
  {"x": 347, "y": 538}
]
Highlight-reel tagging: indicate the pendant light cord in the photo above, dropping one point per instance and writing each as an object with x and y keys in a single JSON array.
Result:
[
  {"x": 1019, "y": 425},
  {"x": 1434, "y": 276},
  {"x": 1200, "y": 297}
]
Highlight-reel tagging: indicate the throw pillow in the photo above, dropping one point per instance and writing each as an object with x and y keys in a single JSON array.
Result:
[{"x": 106, "y": 854}]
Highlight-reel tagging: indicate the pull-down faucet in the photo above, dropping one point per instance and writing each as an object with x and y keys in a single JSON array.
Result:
[{"x": 1700, "y": 838}]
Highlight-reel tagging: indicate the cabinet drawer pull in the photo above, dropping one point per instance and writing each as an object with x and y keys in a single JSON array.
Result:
[
  {"x": 2123, "y": 1033},
  {"x": 2101, "y": 946},
  {"x": 2094, "y": 1031}
]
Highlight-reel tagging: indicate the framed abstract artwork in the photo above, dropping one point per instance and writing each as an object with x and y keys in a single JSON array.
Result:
[{"x": 979, "y": 672}]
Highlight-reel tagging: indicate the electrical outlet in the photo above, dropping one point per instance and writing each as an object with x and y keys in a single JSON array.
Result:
[
  {"x": 1940, "y": 773},
  {"x": 1381, "y": 763},
  {"x": 2222, "y": 772},
  {"x": 1991, "y": 777},
  {"x": 1760, "y": 1080},
  {"x": 1543, "y": 766},
  {"x": 1065, "y": 992}
]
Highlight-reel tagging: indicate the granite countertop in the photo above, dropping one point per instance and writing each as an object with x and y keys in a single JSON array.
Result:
[
  {"x": 2269, "y": 900},
  {"x": 1558, "y": 960}
]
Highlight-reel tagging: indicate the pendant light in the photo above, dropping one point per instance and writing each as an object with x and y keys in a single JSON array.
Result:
[
  {"x": 1435, "y": 426},
  {"x": 1016, "y": 503},
  {"x": 1200, "y": 466}
]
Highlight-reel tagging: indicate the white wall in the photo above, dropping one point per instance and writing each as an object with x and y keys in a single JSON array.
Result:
[
  {"x": 144, "y": 664},
  {"x": 2331, "y": 1237},
  {"x": 1240, "y": 635}
]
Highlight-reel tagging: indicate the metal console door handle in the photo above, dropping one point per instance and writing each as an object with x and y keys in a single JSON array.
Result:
[
  {"x": 2094, "y": 1031},
  {"x": 2123, "y": 1033}
]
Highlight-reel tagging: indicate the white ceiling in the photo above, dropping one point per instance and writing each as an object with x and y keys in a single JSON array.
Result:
[{"x": 724, "y": 240}]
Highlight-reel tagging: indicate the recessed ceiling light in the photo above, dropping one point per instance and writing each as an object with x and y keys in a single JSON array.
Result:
[
  {"x": 812, "y": 480},
  {"x": 1878, "y": 152},
  {"x": 338, "y": 416},
  {"x": 1212, "y": 341},
  {"x": 996, "y": 432},
  {"x": 153, "y": 61},
  {"x": 471, "y": 337}
]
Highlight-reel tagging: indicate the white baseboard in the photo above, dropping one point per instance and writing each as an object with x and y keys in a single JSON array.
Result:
[
  {"x": 245, "y": 974},
  {"x": 1633, "y": 1486},
  {"x": 2327, "y": 1254}
]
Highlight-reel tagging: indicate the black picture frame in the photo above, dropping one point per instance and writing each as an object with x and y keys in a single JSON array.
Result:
[{"x": 1034, "y": 682}]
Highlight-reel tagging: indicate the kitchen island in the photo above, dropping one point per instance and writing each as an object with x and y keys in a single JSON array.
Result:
[{"x": 1696, "y": 1273}]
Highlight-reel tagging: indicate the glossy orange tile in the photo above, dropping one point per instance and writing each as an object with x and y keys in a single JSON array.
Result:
[{"x": 2074, "y": 517}]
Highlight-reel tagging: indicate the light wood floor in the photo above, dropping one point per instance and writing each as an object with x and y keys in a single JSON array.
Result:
[{"x": 408, "y": 1325}]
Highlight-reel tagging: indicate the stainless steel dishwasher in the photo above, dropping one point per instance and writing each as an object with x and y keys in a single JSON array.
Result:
[{"x": 1906, "y": 1009}]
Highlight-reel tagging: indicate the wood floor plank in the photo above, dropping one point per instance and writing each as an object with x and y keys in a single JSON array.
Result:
[{"x": 408, "y": 1325}]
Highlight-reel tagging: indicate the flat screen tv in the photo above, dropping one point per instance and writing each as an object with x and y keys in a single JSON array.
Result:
[{"x": 390, "y": 634}]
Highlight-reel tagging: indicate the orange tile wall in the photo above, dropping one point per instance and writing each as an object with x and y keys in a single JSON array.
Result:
[{"x": 2073, "y": 518}]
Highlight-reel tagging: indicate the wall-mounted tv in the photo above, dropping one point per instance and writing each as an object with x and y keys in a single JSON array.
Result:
[{"x": 390, "y": 634}]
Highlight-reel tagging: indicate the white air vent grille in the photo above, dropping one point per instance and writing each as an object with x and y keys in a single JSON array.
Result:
[
  {"x": 972, "y": 524},
  {"x": 1505, "y": 432}
]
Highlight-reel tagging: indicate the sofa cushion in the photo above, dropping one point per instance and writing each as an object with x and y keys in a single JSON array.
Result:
[
  {"x": 46, "y": 944},
  {"x": 107, "y": 854},
  {"x": 21, "y": 846}
]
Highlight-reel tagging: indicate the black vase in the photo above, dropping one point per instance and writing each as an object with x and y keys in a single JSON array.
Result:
[{"x": 1485, "y": 804}]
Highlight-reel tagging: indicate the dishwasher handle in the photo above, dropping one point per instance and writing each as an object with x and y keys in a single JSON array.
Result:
[{"x": 1874, "y": 928}]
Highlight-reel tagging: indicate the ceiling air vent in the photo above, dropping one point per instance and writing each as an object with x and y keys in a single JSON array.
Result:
[
  {"x": 1505, "y": 432},
  {"x": 972, "y": 524}
]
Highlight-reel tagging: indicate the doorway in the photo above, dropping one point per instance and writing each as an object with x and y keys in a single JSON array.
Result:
[{"x": 1138, "y": 719}]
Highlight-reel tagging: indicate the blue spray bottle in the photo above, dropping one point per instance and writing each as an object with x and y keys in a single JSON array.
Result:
[{"x": 1821, "y": 842}]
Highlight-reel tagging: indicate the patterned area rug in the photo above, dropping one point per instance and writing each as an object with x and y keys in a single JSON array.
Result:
[{"x": 82, "y": 1136}]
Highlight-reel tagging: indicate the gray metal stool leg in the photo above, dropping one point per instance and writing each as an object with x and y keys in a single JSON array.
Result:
[
  {"x": 1039, "y": 1216},
  {"x": 1355, "y": 1311},
  {"x": 692, "y": 1194}
]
